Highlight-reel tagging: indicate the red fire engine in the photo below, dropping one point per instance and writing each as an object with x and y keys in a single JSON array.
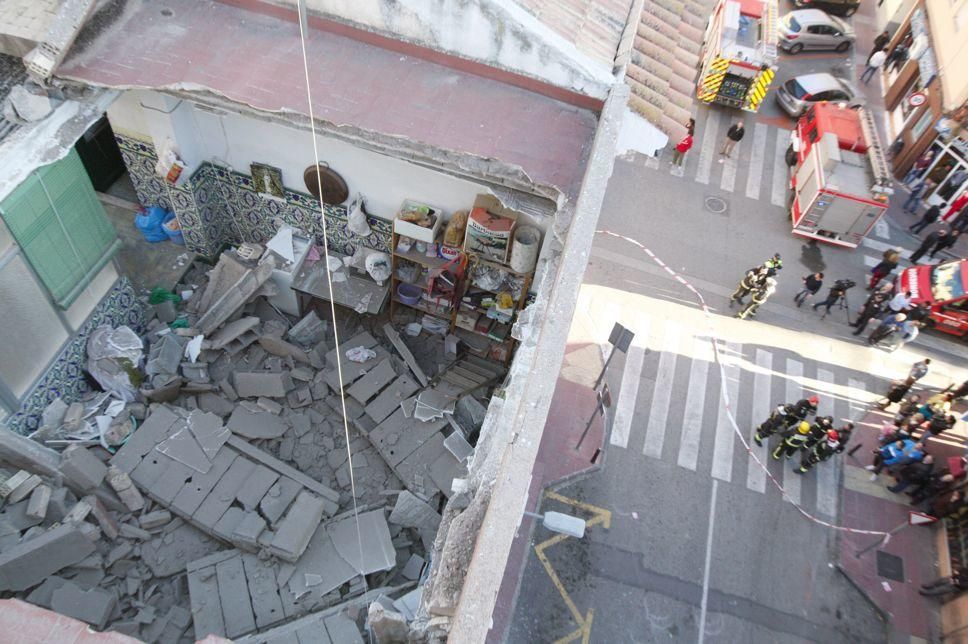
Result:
[{"x": 841, "y": 182}]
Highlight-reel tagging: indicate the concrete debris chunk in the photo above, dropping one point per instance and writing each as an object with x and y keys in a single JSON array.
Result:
[
  {"x": 378, "y": 552},
  {"x": 155, "y": 519},
  {"x": 82, "y": 468},
  {"x": 21, "y": 492},
  {"x": 29, "y": 563},
  {"x": 92, "y": 606},
  {"x": 269, "y": 405},
  {"x": 165, "y": 355},
  {"x": 79, "y": 512},
  {"x": 129, "y": 531},
  {"x": 228, "y": 301},
  {"x": 208, "y": 431},
  {"x": 29, "y": 106},
  {"x": 410, "y": 512},
  {"x": 457, "y": 445},
  {"x": 387, "y": 627},
  {"x": 298, "y": 526},
  {"x": 125, "y": 488},
  {"x": 104, "y": 519},
  {"x": 308, "y": 331},
  {"x": 73, "y": 417},
  {"x": 413, "y": 568},
  {"x": 181, "y": 446},
  {"x": 215, "y": 404},
  {"x": 232, "y": 331},
  {"x": 12, "y": 483},
  {"x": 275, "y": 345},
  {"x": 248, "y": 530},
  {"x": 39, "y": 500},
  {"x": 252, "y": 384},
  {"x": 253, "y": 426}
]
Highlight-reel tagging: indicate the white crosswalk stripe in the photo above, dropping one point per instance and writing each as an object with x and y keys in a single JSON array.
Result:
[
  {"x": 695, "y": 397},
  {"x": 662, "y": 394},
  {"x": 725, "y": 434},
  {"x": 826, "y": 474},
  {"x": 755, "y": 475},
  {"x": 628, "y": 394},
  {"x": 755, "y": 375},
  {"x": 794, "y": 390},
  {"x": 778, "y": 195},
  {"x": 757, "y": 155},
  {"x": 710, "y": 145},
  {"x": 728, "y": 180}
]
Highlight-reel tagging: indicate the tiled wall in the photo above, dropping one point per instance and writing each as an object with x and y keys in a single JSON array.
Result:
[
  {"x": 65, "y": 378},
  {"x": 219, "y": 206}
]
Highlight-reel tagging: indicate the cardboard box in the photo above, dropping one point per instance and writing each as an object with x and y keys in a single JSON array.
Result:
[
  {"x": 490, "y": 227},
  {"x": 413, "y": 231}
]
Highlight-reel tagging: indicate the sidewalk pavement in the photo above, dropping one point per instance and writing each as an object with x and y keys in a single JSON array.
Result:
[{"x": 891, "y": 573}]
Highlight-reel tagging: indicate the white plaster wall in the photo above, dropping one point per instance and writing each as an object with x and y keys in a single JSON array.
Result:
[{"x": 499, "y": 33}]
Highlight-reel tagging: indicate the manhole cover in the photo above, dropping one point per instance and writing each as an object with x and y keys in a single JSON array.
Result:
[
  {"x": 890, "y": 566},
  {"x": 715, "y": 205}
]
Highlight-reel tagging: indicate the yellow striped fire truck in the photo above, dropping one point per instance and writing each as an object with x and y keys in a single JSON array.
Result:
[{"x": 739, "y": 54}]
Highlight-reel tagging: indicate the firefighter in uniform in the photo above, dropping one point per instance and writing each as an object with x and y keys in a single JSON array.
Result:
[
  {"x": 818, "y": 430},
  {"x": 793, "y": 442},
  {"x": 773, "y": 264},
  {"x": 758, "y": 297},
  {"x": 784, "y": 417},
  {"x": 754, "y": 279},
  {"x": 820, "y": 452}
]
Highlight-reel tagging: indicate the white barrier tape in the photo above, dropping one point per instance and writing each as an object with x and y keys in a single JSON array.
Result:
[{"x": 727, "y": 403}]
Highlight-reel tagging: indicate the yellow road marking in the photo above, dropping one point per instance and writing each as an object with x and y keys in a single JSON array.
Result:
[{"x": 600, "y": 516}]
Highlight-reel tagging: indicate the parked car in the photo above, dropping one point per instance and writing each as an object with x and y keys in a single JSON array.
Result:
[
  {"x": 800, "y": 92},
  {"x": 813, "y": 29},
  {"x": 836, "y": 7}
]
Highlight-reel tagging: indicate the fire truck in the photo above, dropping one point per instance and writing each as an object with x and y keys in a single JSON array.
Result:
[
  {"x": 841, "y": 181},
  {"x": 738, "y": 60}
]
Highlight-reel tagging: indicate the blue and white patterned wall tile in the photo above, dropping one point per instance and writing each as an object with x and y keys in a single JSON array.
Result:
[{"x": 65, "y": 377}]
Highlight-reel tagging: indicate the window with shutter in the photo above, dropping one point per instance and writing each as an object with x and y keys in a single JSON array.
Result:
[{"x": 61, "y": 227}]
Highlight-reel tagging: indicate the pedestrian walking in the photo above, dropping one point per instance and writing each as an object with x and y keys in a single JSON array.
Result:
[
  {"x": 956, "y": 582},
  {"x": 909, "y": 331},
  {"x": 733, "y": 136},
  {"x": 929, "y": 241},
  {"x": 835, "y": 294},
  {"x": 884, "y": 268},
  {"x": 683, "y": 146},
  {"x": 915, "y": 474},
  {"x": 811, "y": 284},
  {"x": 930, "y": 216},
  {"x": 875, "y": 305},
  {"x": 792, "y": 443},
  {"x": 758, "y": 298},
  {"x": 880, "y": 43},
  {"x": 918, "y": 191},
  {"x": 919, "y": 167},
  {"x": 875, "y": 62},
  {"x": 918, "y": 370},
  {"x": 819, "y": 453},
  {"x": 754, "y": 278},
  {"x": 899, "y": 389},
  {"x": 944, "y": 243}
]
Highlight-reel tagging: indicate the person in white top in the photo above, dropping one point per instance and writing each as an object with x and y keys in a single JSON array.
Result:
[
  {"x": 900, "y": 302},
  {"x": 876, "y": 62}
]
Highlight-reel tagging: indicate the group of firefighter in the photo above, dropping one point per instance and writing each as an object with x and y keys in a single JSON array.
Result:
[
  {"x": 759, "y": 284},
  {"x": 816, "y": 440}
]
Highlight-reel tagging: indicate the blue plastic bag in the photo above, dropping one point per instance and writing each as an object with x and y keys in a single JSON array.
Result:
[{"x": 149, "y": 221}]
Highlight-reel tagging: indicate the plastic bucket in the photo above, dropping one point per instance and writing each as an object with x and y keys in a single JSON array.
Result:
[
  {"x": 524, "y": 250},
  {"x": 173, "y": 229},
  {"x": 408, "y": 293}
]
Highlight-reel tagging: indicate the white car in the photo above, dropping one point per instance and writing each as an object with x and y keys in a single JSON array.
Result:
[{"x": 799, "y": 93}]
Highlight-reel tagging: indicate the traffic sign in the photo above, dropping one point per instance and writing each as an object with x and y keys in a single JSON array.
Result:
[
  {"x": 917, "y": 99},
  {"x": 920, "y": 518}
]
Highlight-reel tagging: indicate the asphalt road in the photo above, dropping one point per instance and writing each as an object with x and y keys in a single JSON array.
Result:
[{"x": 701, "y": 545}]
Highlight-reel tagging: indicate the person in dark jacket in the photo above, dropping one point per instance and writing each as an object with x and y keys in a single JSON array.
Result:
[
  {"x": 915, "y": 473},
  {"x": 930, "y": 216},
  {"x": 938, "y": 483},
  {"x": 882, "y": 270},
  {"x": 733, "y": 136},
  {"x": 926, "y": 245},
  {"x": 918, "y": 191},
  {"x": 897, "y": 392},
  {"x": 944, "y": 243},
  {"x": 875, "y": 305},
  {"x": 836, "y": 292},
  {"x": 811, "y": 284},
  {"x": 889, "y": 325},
  {"x": 956, "y": 582}
]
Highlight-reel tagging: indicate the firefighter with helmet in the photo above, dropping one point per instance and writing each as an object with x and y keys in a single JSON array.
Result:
[
  {"x": 820, "y": 452},
  {"x": 758, "y": 297},
  {"x": 755, "y": 278},
  {"x": 792, "y": 443}
]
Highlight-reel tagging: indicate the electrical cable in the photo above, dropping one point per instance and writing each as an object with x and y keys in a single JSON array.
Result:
[{"x": 301, "y": 7}]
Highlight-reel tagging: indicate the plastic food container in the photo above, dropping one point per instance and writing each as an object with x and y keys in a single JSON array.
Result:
[{"x": 408, "y": 293}]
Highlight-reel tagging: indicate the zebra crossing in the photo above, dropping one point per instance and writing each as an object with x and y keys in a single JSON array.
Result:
[{"x": 670, "y": 407}]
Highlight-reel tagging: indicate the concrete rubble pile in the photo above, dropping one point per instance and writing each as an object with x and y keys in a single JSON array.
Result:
[{"x": 219, "y": 500}]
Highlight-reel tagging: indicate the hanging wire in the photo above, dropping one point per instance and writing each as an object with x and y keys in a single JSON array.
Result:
[{"x": 301, "y": 7}]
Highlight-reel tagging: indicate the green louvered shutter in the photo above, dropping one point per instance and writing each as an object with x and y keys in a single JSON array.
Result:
[{"x": 61, "y": 227}]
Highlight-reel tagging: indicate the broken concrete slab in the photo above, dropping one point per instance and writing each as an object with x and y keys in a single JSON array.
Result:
[
  {"x": 165, "y": 355},
  {"x": 104, "y": 519},
  {"x": 404, "y": 351},
  {"x": 413, "y": 568},
  {"x": 215, "y": 404},
  {"x": 29, "y": 563},
  {"x": 168, "y": 554},
  {"x": 154, "y": 519},
  {"x": 308, "y": 331},
  {"x": 208, "y": 431},
  {"x": 378, "y": 552},
  {"x": 275, "y": 345},
  {"x": 389, "y": 400},
  {"x": 285, "y": 470},
  {"x": 457, "y": 445},
  {"x": 181, "y": 446},
  {"x": 252, "y": 384},
  {"x": 39, "y": 500},
  {"x": 282, "y": 493},
  {"x": 269, "y": 405},
  {"x": 409, "y": 604},
  {"x": 372, "y": 382},
  {"x": 249, "y": 529},
  {"x": 92, "y": 606},
  {"x": 257, "y": 486},
  {"x": 232, "y": 298},
  {"x": 256, "y": 425},
  {"x": 82, "y": 468},
  {"x": 21, "y": 491},
  {"x": 386, "y": 626},
  {"x": 411, "y": 512},
  {"x": 232, "y": 331},
  {"x": 297, "y": 528}
]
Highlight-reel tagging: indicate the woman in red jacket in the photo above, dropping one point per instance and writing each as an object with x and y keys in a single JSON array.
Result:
[{"x": 683, "y": 146}]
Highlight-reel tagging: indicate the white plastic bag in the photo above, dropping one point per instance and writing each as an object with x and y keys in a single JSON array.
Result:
[
  {"x": 113, "y": 354},
  {"x": 378, "y": 266},
  {"x": 356, "y": 223}
]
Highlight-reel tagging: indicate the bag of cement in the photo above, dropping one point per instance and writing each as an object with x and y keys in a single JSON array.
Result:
[{"x": 114, "y": 358}]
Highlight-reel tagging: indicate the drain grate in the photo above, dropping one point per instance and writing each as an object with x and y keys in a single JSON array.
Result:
[
  {"x": 716, "y": 205},
  {"x": 890, "y": 566}
]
